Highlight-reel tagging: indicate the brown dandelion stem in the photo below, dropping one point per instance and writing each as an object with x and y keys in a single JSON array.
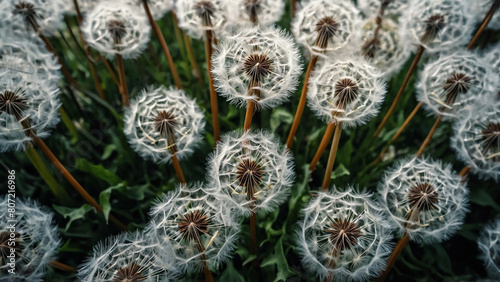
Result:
[
  {"x": 293, "y": 7},
  {"x": 39, "y": 142},
  {"x": 123, "y": 81},
  {"x": 110, "y": 70},
  {"x": 331, "y": 157},
  {"x": 398, "y": 133},
  {"x": 192, "y": 58},
  {"x": 201, "y": 249},
  {"x": 485, "y": 22},
  {"x": 429, "y": 136},
  {"x": 213, "y": 94},
  {"x": 62, "y": 266},
  {"x": 394, "y": 256},
  {"x": 152, "y": 52},
  {"x": 322, "y": 146},
  {"x": 413, "y": 66},
  {"x": 178, "y": 169},
  {"x": 248, "y": 115},
  {"x": 93, "y": 71},
  {"x": 302, "y": 102},
  {"x": 163, "y": 44},
  {"x": 464, "y": 173}
]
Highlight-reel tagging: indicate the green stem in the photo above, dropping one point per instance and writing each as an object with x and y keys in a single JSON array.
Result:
[
  {"x": 44, "y": 172},
  {"x": 69, "y": 124}
]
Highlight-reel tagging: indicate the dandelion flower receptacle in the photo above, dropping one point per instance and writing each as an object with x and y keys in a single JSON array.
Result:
[
  {"x": 425, "y": 199},
  {"x": 126, "y": 257},
  {"x": 250, "y": 171},
  {"x": 164, "y": 122},
  {"x": 35, "y": 243},
  {"x": 344, "y": 236},
  {"x": 194, "y": 228}
]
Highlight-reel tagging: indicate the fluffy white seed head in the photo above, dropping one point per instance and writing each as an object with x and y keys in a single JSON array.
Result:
[
  {"x": 492, "y": 56},
  {"x": 256, "y": 63},
  {"x": 424, "y": 198},
  {"x": 393, "y": 9},
  {"x": 453, "y": 83},
  {"x": 388, "y": 52},
  {"x": 117, "y": 28},
  {"x": 476, "y": 138},
  {"x": 27, "y": 57},
  {"x": 264, "y": 12},
  {"x": 198, "y": 16},
  {"x": 489, "y": 248},
  {"x": 161, "y": 122},
  {"x": 126, "y": 257},
  {"x": 348, "y": 89},
  {"x": 344, "y": 234},
  {"x": 338, "y": 21},
  {"x": 158, "y": 8},
  {"x": 190, "y": 226},
  {"x": 35, "y": 239},
  {"x": 26, "y": 16},
  {"x": 84, "y": 6},
  {"x": 438, "y": 25},
  {"x": 26, "y": 100},
  {"x": 250, "y": 166}
]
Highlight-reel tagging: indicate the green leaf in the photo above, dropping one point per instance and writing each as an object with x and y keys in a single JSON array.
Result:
[
  {"x": 278, "y": 258},
  {"x": 280, "y": 116},
  {"x": 483, "y": 198},
  {"x": 341, "y": 170},
  {"x": 104, "y": 199},
  {"x": 231, "y": 274},
  {"x": 108, "y": 151},
  {"x": 73, "y": 213},
  {"x": 98, "y": 171}
]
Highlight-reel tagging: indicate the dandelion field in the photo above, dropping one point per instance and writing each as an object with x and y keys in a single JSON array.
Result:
[{"x": 92, "y": 146}]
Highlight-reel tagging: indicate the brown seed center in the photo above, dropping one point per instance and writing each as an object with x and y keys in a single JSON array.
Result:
[
  {"x": 326, "y": 28},
  {"x": 346, "y": 91},
  {"x": 423, "y": 197},
  {"x": 117, "y": 29},
  {"x": 257, "y": 66},
  {"x": 457, "y": 83},
  {"x": 193, "y": 224},
  {"x": 249, "y": 175},
  {"x": 5, "y": 247},
  {"x": 27, "y": 12},
  {"x": 344, "y": 234},
  {"x": 12, "y": 104},
  {"x": 433, "y": 25},
  {"x": 130, "y": 273},
  {"x": 205, "y": 10}
]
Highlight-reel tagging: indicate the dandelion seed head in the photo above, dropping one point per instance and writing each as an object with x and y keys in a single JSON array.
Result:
[
  {"x": 183, "y": 219},
  {"x": 344, "y": 234},
  {"x": 84, "y": 5},
  {"x": 424, "y": 198},
  {"x": 250, "y": 171},
  {"x": 261, "y": 64},
  {"x": 476, "y": 138},
  {"x": 161, "y": 122},
  {"x": 349, "y": 90},
  {"x": 245, "y": 12},
  {"x": 198, "y": 16},
  {"x": 392, "y": 11},
  {"x": 323, "y": 26},
  {"x": 480, "y": 8},
  {"x": 117, "y": 28},
  {"x": 489, "y": 248},
  {"x": 453, "y": 83}
]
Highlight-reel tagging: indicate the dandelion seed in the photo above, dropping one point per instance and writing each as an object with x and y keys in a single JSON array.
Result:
[
  {"x": 344, "y": 235},
  {"x": 424, "y": 199},
  {"x": 198, "y": 16},
  {"x": 489, "y": 243}
]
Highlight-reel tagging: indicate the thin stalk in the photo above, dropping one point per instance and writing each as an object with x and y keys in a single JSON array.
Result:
[
  {"x": 123, "y": 82},
  {"x": 331, "y": 158},
  {"x": 394, "y": 256},
  {"x": 178, "y": 169},
  {"x": 485, "y": 22},
  {"x": 293, "y": 7},
  {"x": 178, "y": 35},
  {"x": 413, "y": 66},
  {"x": 153, "y": 55},
  {"x": 248, "y": 115},
  {"x": 73, "y": 36},
  {"x": 302, "y": 102},
  {"x": 253, "y": 232},
  {"x": 69, "y": 124},
  {"x": 62, "y": 266},
  {"x": 164, "y": 46},
  {"x": 396, "y": 136},
  {"x": 110, "y": 70},
  {"x": 44, "y": 172},
  {"x": 213, "y": 94},
  {"x": 322, "y": 146},
  {"x": 429, "y": 136},
  {"x": 464, "y": 173},
  {"x": 192, "y": 58},
  {"x": 201, "y": 249}
]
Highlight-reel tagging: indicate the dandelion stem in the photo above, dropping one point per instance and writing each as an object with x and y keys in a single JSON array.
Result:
[
  {"x": 485, "y": 22},
  {"x": 413, "y": 66},
  {"x": 192, "y": 58},
  {"x": 331, "y": 158},
  {"x": 394, "y": 256},
  {"x": 429, "y": 136},
  {"x": 253, "y": 231},
  {"x": 44, "y": 172},
  {"x": 69, "y": 124},
  {"x": 110, "y": 70},
  {"x": 213, "y": 94},
  {"x": 62, "y": 266},
  {"x": 302, "y": 102},
  {"x": 123, "y": 82},
  {"x": 464, "y": 173},
  {"x": 151, "y": 51},
  {"x": 86, "y": 47},
  {"x": 293, "y": 7},
  {"x": 396, "y": 136},
  {"x": 164, "y": 46},
  {"x": 178, "y": 35},
  {"x": 206, "y": 270},
  {"x": 249, "y": 114},
  {"x": 322, "y": 146},
  {"x": 178, "y": 169}
]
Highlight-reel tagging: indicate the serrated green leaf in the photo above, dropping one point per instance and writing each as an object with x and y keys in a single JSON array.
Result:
[
  {"x": 341, "y": 170},
  {"x": 280, "y": 116},
  {"x": 104, "y": 199},
  {"x": 73, "y": 213},
  {"x": 98, "y": 171}
]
